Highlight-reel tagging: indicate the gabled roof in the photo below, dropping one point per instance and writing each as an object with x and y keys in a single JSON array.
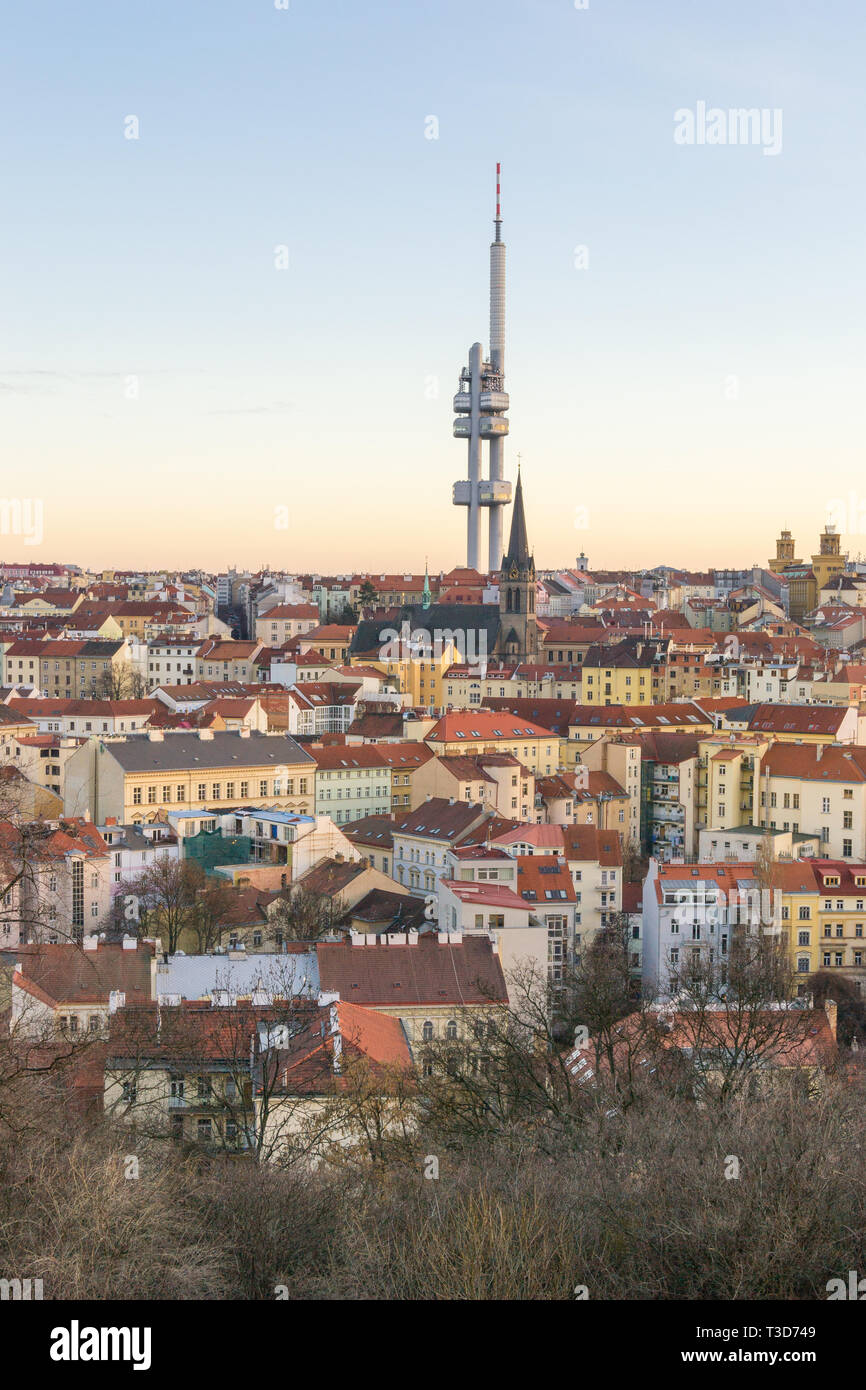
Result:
[
  {"x": 438, "y": 818},
  {"x": 481, "y": 724}
]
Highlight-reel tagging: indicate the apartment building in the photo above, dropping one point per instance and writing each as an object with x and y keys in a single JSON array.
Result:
[
  {"x": 76, "y": 989},
  {"x": 62, "y": 667},
  {"x": 440, "y": 985},
  {"x": 690, "y": 913},
  {"x": 479, "y": 731},
  {"x": 622, "y": 673},
  {"x": 60, "y": 876},
  {"x": 819, "y": 790},
  {"x": 221, "y": 659},
  {"x": 840, "y": 945},
  {"x": 351, "y": 782},
  {"x": 406, "y": 762},
  {"x": 284, "y": 621},
  {"x": 498, "y": 781},
  {"x": 669, "y": 781},
  {"x": 619, "y": 756},
  {"x": 171, "y": 659},
  {"x": 81, "y": 718},
  {"x": 320, "y": 707},
  {"x": 145, "y": 775},
  {"x": 421, "y": 839}
]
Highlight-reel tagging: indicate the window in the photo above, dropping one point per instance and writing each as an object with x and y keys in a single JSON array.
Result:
[
  {"x": 136, "y": 796},
  {"x": 451, "y": 1030},
  {"x": 427, "y": 1031}
]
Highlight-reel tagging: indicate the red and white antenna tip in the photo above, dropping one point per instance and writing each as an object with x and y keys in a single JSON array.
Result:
[{"x": 498, "y": 167}]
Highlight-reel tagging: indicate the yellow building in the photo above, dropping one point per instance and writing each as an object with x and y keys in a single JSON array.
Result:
[
  {"x": 797, "y": 884},
  {"x": 480, "y": 731},
  {"x": 405, "y": 760},
  {"x": 138, "y": 777},
  {"x": 784, "y": 556},
  {"x": 841, "y": 935},
  {"x": 622, "y": 674},
  {"x": 804, "y": 582},
  {"x": 420, "y": 678},
  {"x": 828, "y": 561},
  {"x": 727, "y": 782}
]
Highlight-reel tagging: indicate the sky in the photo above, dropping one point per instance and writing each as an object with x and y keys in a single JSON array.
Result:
[{"x": 244, "y": 253}]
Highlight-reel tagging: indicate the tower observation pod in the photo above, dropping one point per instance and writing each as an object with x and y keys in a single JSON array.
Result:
[{"x": 480, "y": 408}]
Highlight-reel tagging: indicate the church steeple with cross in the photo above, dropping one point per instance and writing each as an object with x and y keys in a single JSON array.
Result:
[{"x": 517, "y": 585}]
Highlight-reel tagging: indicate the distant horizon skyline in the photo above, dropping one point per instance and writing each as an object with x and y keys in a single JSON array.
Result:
[{"x": 435, "y": 570}]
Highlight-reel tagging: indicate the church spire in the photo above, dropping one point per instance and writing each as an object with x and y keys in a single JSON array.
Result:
[
  {"x": 518, "y": 545},
  {"x": 426, "y": 596}
]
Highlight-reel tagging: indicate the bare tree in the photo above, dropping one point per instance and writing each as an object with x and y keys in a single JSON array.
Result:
[
  {"x": 305, "y": 915},
  {"x": 121, "y": 681},
  {"x": 163, "y": 899}
]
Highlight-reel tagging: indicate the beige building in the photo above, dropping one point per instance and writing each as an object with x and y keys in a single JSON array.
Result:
[
  {"x": 816, "y": 790},
  {"x": 284, "y": 621},
  {"x": 498, "y": 781},
  {"x": 62, "y": 667},
  {"x": 75, "y": 989}
]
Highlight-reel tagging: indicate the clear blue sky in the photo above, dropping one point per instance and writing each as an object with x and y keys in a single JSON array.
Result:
[{"x": 309, "y": 388}]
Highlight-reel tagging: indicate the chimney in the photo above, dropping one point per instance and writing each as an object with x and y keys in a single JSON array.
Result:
[
  {"x": 156, "y": 735},
  {"x": 831, "y": 1009},
  {"x": 203, "y": 734},
  {"x": 90, "y": 943},
  {"x": 129, "y": 943},
  {"x": 819, "y": 752}
]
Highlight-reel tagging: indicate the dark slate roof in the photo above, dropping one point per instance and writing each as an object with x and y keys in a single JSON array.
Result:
[
  {"x": 456, "y": 618},
  {"x": 518, "y": 543},
  {"x": 175, "y": 751}
]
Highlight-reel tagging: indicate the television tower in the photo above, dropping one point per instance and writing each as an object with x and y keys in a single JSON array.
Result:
[{"x": 480, "y": 406}]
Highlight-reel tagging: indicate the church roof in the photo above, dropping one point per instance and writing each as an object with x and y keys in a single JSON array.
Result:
[{"x": 518, "y": 545}]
